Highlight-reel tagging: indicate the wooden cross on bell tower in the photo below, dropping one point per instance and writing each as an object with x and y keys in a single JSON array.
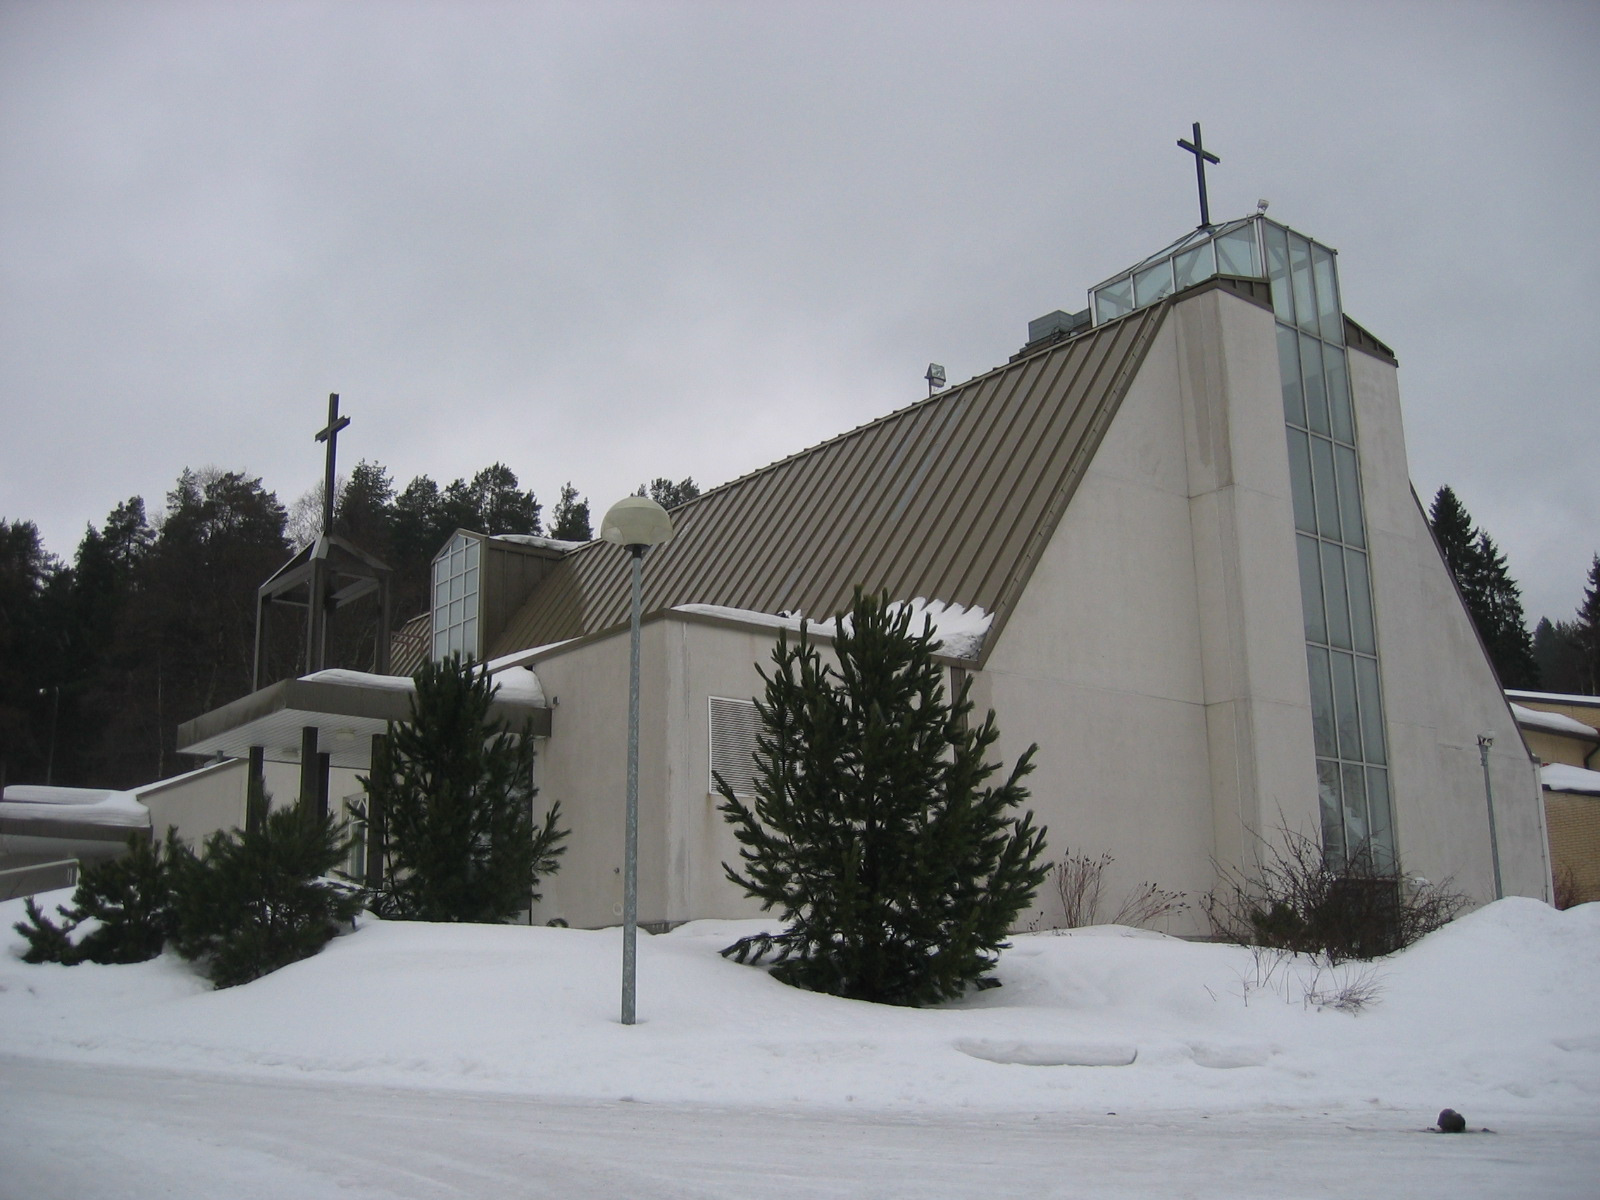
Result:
[
  {"x": 331, "y": 436},
  {"x": 1202, "y": 156}
]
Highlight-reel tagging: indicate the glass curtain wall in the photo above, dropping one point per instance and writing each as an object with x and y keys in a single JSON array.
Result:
[
  {"x": 1330, "y": 529},
  {"x": 1331, "y": 538}
]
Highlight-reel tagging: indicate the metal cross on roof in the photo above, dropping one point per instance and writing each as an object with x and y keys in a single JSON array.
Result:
[
  {"x": 1202, "y": 156},
  {"x": 331, "y": 436}
]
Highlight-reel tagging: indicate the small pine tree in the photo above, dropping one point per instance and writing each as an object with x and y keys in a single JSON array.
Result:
[
  {"x": 129, "y": 899},
  {"x": 258, "y": 899},
  {"x": 896, "y": 872},
  {"x": 456, "y": 792}
]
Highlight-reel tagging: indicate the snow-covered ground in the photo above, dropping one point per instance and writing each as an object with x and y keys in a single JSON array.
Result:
[{"x": 1109, "y": 1060}]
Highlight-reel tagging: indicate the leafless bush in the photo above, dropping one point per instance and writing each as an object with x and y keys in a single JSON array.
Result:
[
  {"x": 1565, "y": 892},
  {"x": 1310, "y": 980},
  {"x": 1080, "y": 881},
  {"x": 1147, "y": 904},
  {"x": 1296, "y": 901}
]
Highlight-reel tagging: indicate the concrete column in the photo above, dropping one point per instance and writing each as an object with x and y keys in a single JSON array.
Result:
[
  {"x": 255, "y": 802},
  {"x": 310, "y": 791}
]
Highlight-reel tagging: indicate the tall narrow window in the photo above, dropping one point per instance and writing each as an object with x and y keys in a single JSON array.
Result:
[
  {"x": 455, "y": 599},
  {"x": 1335, "y": 576}
]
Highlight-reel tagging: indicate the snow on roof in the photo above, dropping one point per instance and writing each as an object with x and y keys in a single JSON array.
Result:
[
  {"x": 529, "y": 539},
  {"x": 1554, "y": 698},
  {"x": 1533, "y": 718},
  {"x": 958, "y": 631},
  {"x": 1561, "y": 777},
  {"x": 89, "y": 806},
  {"x": 519, "y": 685}
]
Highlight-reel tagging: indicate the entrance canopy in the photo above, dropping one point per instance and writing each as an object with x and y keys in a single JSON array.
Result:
[{"x": 346, "y": 708}]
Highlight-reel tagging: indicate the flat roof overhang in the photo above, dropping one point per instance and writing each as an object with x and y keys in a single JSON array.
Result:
[{"x": 346, "y": 716}]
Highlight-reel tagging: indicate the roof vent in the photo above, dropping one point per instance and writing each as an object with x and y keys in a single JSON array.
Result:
[{"x": 1056, "y": 323}]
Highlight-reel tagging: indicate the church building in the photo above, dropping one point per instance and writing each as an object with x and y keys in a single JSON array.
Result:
[{"x": 1173, "y": 541}]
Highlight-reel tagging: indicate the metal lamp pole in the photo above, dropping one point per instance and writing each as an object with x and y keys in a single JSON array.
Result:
[
  {"x": 630, "y": 884},
  {"x": 636, "y": 523},
  {"x": 1484, "y": 742}
]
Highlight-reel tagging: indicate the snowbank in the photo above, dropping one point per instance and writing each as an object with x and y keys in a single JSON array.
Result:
[{"x": 1490, "y": 1014}]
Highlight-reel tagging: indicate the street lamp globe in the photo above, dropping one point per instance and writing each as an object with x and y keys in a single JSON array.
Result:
[{"x": 636, "y": 521}]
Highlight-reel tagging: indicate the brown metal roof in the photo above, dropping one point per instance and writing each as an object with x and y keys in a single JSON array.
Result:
[{"x": 952, "y": 499}]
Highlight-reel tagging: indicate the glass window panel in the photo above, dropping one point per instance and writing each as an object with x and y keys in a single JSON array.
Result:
[
  {"x": 469, "y": 636},
  {"x": 1322, "y": 481},
  {"x": 1322, "y": 716},
  {"x": 1152, "y": 283},
  {"x": 1305, "y": 512},
  {"x": 1278, "y": 272},
  {"x": 1338, "y": 380},
  {"x": 1294, "y": 396},
  {"x": 1380, "y": 815},
  {"x": 1333, "y": 590},
  {"x": 1345, "y": 469},
  {"x": 1113, "y": 300},
  {"x": 455, "y": 587},
  {"x": 1343, "y": 669},
  {"x": 1328, "y": 319},
  {"x": 471, "y": 582},
  {"x": 472, "y": 554},
  {"x": 1357, "y": 829},
  {"x": 1305, "y": 307},
  {"x": 1316, "y": 391},
  {"x": 1311, "y": 588},
  {"x": 440, "y": 639},
  {"x": 1372, "y": 739},
  {"x": 1332, "y": 814},
  {"x": 457, "y": 612},
  {"x": 1359, "y": 586},
  {"x": 1193, "y": 266},
  {"x": 1236, "y": 253}
]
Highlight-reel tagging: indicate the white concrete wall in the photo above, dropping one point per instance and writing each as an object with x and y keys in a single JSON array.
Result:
[
  {"x": 1440, "y": 689},
  {"x": 1157, "y": 655}
]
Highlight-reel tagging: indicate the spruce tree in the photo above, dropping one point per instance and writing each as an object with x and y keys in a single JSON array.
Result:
[
  {"x": 455, "y": 788},
  {"x": 896, "y": 870},
  {"x": 1500, "y": 619},
  {"x": 1492, "y": 597},
  {"x": 1586, "y": 635}
]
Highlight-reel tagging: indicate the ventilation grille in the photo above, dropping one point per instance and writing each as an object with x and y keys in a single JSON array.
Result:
[{"x": 734, "y": 726}]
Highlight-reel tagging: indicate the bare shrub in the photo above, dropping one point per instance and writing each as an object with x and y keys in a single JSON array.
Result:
[
  {"x": 1565, "y": 892},
  {"x": 1080, "y": 882},
  {"x": 1147, "y": 904},
  {"x": 1079, "y": 879},
  {"x": 1296, "y": 901}
]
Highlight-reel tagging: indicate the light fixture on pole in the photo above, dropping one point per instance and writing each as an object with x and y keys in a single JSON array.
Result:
[
  {"x": 1484, "y": 742},
  {"x": 638, "y": 523}
]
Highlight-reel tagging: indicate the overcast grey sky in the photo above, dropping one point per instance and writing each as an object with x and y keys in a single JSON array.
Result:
[{"x": 608, "y": 241}]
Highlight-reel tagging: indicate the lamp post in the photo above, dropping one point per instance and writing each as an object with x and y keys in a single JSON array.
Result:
[
  {"x": 1484, "y": 742},
  {"x": 638, "y": 523}
]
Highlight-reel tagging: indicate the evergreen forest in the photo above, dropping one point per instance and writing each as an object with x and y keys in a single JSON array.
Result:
[{"x": 152, "y": 622}]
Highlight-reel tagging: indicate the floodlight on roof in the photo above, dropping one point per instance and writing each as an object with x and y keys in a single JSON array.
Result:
[{"x": 935, "y": 377}]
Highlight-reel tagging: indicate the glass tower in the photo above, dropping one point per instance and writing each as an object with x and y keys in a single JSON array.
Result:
[{"x": 1325, "y": 479}]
